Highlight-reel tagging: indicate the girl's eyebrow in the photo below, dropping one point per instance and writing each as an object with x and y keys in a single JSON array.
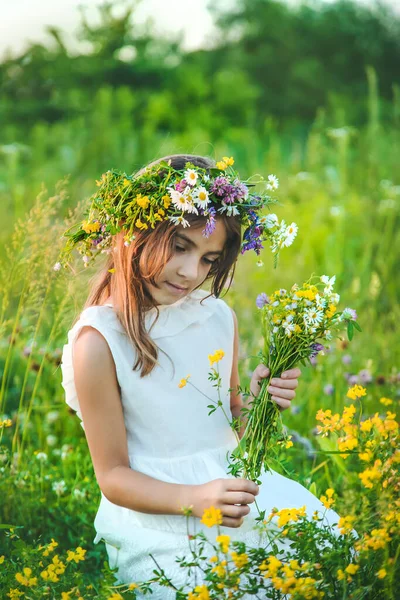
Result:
[{"x": 192, "y": 243}]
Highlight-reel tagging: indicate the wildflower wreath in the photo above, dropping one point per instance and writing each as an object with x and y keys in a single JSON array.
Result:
[{"x": 138, "y": 202}]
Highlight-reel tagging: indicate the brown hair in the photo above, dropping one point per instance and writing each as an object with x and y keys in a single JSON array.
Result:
[{"x": 144, "y": 259}]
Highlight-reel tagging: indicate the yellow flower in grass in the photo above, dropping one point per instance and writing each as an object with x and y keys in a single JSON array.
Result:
[
  {"x": 14, "y": 593},
  {"x": 212, "y": 516},
  {"x": 6, "y": 423},
  {"x": 381, "y": 573},
  {"x": 386, "y": 401},
  {"x": 224, "y": 540},
  {"x": 25, "y": 578},
  {"x": 371, "y": 474},
  {"x": 115, "y": 596},
  {"x": 183, "y": 381},
  {"x": 216, "y": 357},
  {"x": 78, "y": 555},
  {"x": 352, "y": 569},
  {"x": 356, "y": 392},
  {"x": 345, "y": 524},
  {"x": 286, "y": 515},
  {"x": 327, "y": 499}
]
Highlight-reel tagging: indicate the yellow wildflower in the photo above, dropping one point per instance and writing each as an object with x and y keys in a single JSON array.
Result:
[
  {"x": 90, "y": 227},
  {"x": 340, "y": 574},
  {"x": 372, "y": 474},
  {"x": 6, "y": 423},
  {"x": 356, "y": 392},
  {"x": 289, "y": 514},
  {"x": 78, "y": 555},
  {"x": 352, "y": 569},
  {"x": 141, "y": 225},
  {"x": 221, "y": 165},
  {"x": 381, "y": 573},
  {"x": 216, "y": 357},
  {"x": 212, "y": 516},
  {"x": 240, "y": 559},
  {"x": 183, "y": 381},
  {"x": 330, "y": 311},
  {"x": 345, "y": 524},
  {"x": 166, "y": 200},
  {"x": 228, "y": 160},
  {"x": 327, "y": 500},
  {"x": 386, "y": 401},
  {"x": 219, "y": 570},
  {"x": 224, "y": 541},
  {"x": 366, "y": 425},
  {"x": 26, "y": 579},
  {"x": 142, "y": 201},
  {"x": 2, "y": 559},
  {"x": 289, "y": 444},
  {"x": 14, "y": 593},
  {"x": 115, "y": 596}
]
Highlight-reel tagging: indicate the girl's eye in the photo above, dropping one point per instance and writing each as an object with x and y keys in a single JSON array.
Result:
[{"x": 206, "y": 260}]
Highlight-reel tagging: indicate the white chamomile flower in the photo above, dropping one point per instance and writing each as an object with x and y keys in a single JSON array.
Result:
[
  {"x": 179, "y": 221},
  {"x": 268, "y": 221},
  {"x": 41, "y": 456},
  {"x": 181, "y": 201},
  {"x": 290, "y": 234},
  {"x": 329, "y": 283},
  {"x": 191, "y": 176},
  {"x": 272, "y": 182},
  {"x": 313, "y": 316},
  {"x": 201, "y": 197}
]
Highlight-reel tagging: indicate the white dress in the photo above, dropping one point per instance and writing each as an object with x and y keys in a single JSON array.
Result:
[{"x": 170, "y": 435}]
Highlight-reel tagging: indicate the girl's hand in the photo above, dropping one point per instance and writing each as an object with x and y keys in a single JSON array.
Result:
[{"x": 281, "y": 388}]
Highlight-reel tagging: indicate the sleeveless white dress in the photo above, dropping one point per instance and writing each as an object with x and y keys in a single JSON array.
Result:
[{"x": 170, "y": 435}]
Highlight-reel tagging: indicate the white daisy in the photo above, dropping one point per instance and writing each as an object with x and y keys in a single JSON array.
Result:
[
  {"x": 201, "y": 196},
  {"x": 290, "y": 234},
  {"x": 179, "y": 221},
  {"x": 41, "y": 456},
  {"x": 269, "y": 221},
  {"x": 272, "y": 182},
  {"x": 181, "y": 201},
  {"x": 59, "y": 487},
  {"x": 313, "y": 316},
  {"x": 190, "y": 176}
]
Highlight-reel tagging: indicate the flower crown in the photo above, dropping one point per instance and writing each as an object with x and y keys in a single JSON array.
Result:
[{"x": 161, "y": 192}]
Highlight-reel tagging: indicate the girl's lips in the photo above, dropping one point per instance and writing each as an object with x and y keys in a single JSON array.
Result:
[{"x": 175, "y": 289}]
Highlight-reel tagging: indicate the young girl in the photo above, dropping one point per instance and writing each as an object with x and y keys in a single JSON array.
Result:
[{"x": 147, "y": 323}]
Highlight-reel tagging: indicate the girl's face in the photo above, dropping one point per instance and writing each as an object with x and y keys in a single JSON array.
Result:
[{"x": 190, "y": 263}]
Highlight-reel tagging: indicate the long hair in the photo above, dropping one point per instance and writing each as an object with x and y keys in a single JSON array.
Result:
[{"x": 143, "y": 261}]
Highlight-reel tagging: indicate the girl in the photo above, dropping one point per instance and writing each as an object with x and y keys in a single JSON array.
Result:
[{"x": 147, "y": 323}]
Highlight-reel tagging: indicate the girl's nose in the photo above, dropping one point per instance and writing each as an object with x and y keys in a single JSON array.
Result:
[{"x": 189, "y": 269}]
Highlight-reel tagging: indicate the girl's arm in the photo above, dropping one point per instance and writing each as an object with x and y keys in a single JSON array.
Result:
[
  {"x": 282, "y": 388},
  {"x": 100, "y": 402}
]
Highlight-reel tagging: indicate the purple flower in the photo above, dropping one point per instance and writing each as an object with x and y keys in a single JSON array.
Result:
[
  {"x": 313, "y": 360},
  {"x": 349, "y": 314},
  {"x": 262, "y": 300},
  {"x": 211, "y": 221},
  {"x": 328, "y": 389},
  {"x": 316, "y": 349},
  {"x": 365, "y": 376},
  {"x": 219, "y": 185},
  {"x": 346, "y": 360},
  {"x": 353, "y": 380},
  {"x": 180, "y": 186}
]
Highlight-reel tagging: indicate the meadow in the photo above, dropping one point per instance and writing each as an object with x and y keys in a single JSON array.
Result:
[{"x": 340, "y": 184}]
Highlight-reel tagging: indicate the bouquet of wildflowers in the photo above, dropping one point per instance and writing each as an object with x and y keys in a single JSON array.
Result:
[{"x": 294, "y": 323}]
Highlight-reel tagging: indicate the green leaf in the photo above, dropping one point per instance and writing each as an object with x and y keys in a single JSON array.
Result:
[
  {"x": 350, "y": 330},
  {"x": 356, "y": 325}
]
